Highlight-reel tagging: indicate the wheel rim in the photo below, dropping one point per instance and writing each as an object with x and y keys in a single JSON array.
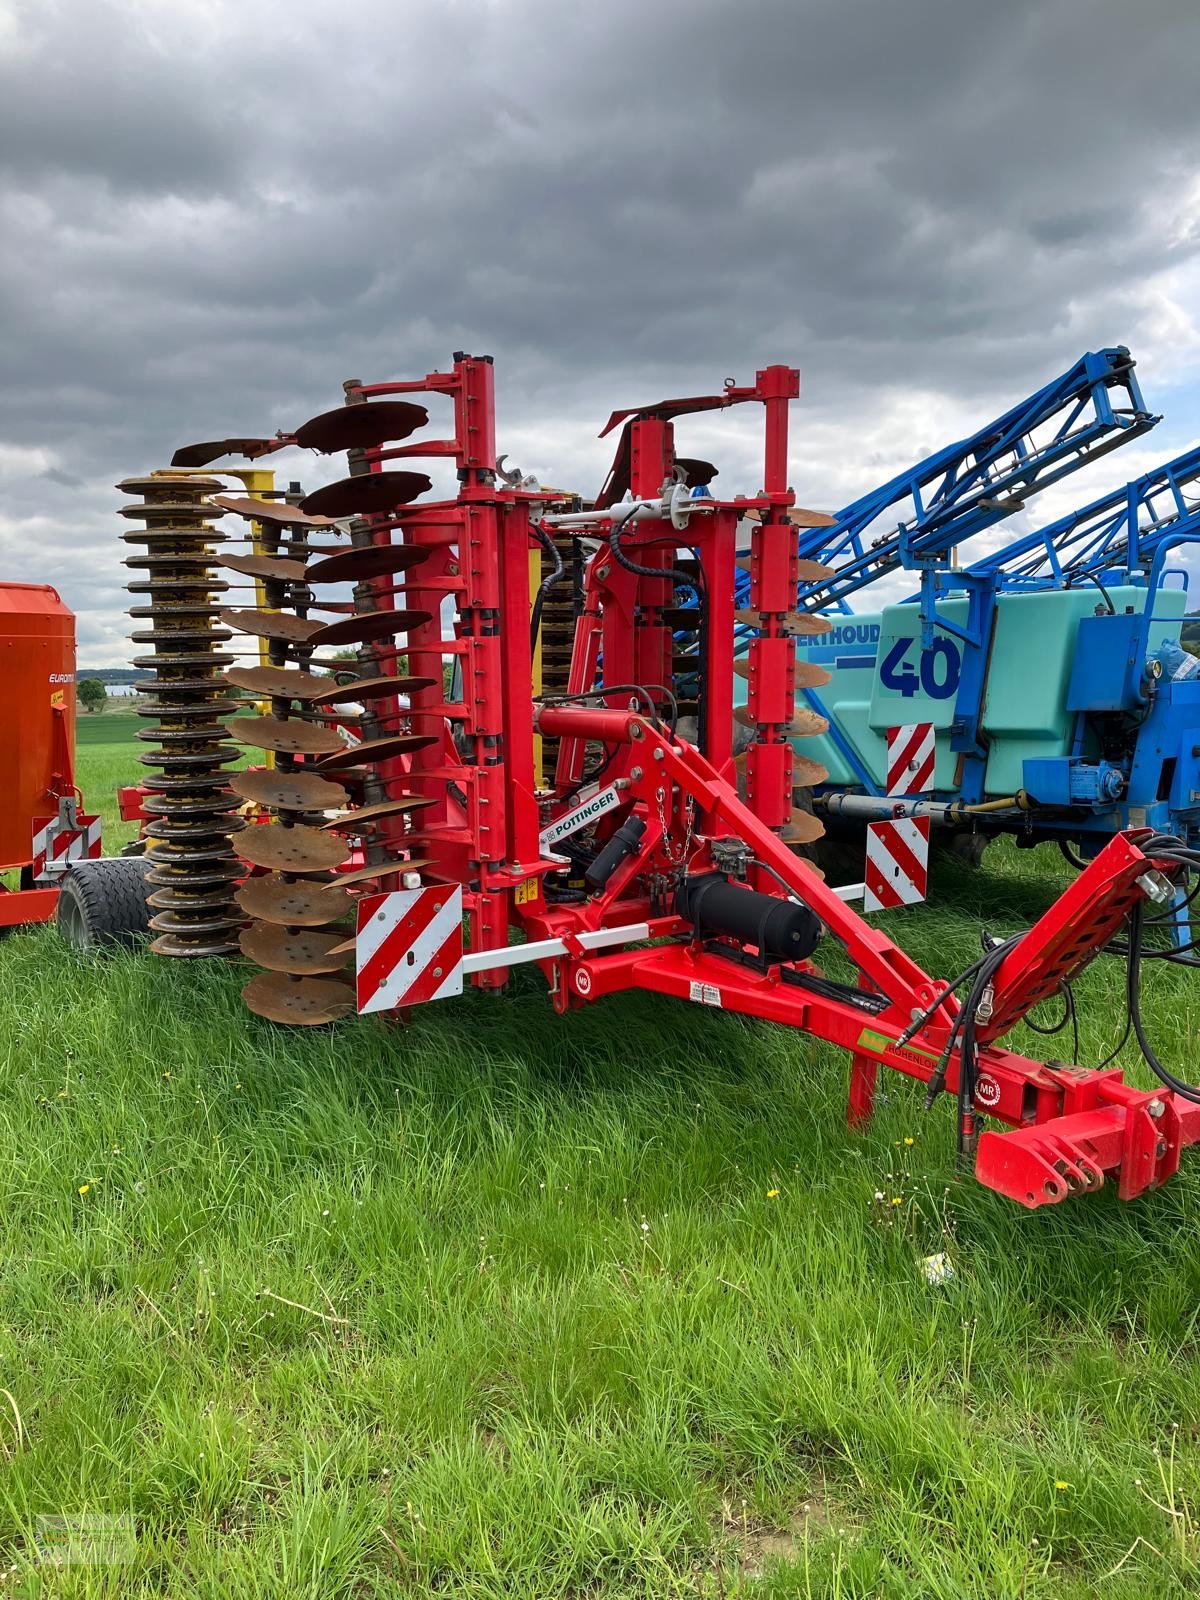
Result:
[{"x": 71, "y": 920}]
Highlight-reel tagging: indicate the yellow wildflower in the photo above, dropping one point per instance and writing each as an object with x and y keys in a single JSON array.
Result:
[
  {"x": 909, "y": 1140},
  {"x": 1061, "y": 1483},
  {"x": 84, "y": 1187},
  {"x": 772, "y": 1194}
]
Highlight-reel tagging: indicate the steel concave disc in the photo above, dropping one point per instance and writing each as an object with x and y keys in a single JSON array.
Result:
[
  {"x": 363, "y": 816},
  {"x": 293, "y": 737},
  {"x": 800, "y": 517},
  {"x": 276, "y": 683},
  {"x": 367, "y": 494},
  {"x": 806, "y": 571},
  {"x": 283, "y": 949},
  {"x": 272, "y": 625},
  {"x": 276, "y": 512},
  {"x": 199, "y": 455},
  {"x": 367, "y": 625},
  {"x": 808, "y": 674},
  {"x": 803, "y": 828},
  {"x": 361, "y": 426},
  {"x": 275, "y": 569},
  {"x": 804, "y": 723},
  {"x": 794, "y": 622},
  {"x": 363, "y": 689},
  {"x": 299, "y": 1002},
  {"x": 288, "y": 791},
  {"x": 297, "y": 905},
  {"x": 374, "y": 750},
  {"x": 298, "y": 849},
  {"x": 388, "y": 869},
  {"x": 366, "y": 561}
]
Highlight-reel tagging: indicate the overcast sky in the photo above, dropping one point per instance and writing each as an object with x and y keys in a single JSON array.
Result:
[{"x": 211, "y": 213}]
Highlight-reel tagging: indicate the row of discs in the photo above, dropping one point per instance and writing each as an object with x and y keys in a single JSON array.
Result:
[
  {"x": 803, "y": 828},
  {"x": 191, "y": 811},
  {"x": 297, "y": 897}
]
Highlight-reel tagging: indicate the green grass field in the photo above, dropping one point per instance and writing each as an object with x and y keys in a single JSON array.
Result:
[{"x": 507, "y": 1305}]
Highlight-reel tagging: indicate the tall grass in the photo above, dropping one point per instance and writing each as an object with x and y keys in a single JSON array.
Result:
[{"x": 503, "y": 1304}]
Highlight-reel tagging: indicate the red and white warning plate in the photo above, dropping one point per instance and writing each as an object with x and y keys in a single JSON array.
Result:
[
  {"x": 409, "y": 947},
  {"x": 897, "y": 871},
  {"x": 910, "y": 757},
  {"x": 56, "y": 845}
]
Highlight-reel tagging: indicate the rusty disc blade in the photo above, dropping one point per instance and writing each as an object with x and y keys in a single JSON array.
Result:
[
  {"x": 289, "y": 738},
  {"x": 277, "y": 683},
  {"x": 366, "y": 561},
  {"x": 808, "y": 674},
  {"x": 359, "y": 427},
  {"x": 278, "y": 569},
  {"x": 799, "y": 517},
  {"x": 803, "y": 828},
  {"x": 288, "y": 791},
  {"x": 299, "y": 850},
  {"x": 803, "y": 723},
  {"x": 806, "y": 773},
  {"x": 806, "y": 571},
  {"x": 374, "y": 750},
  {"x": 370, "y": 689},
  {"x": 199, "y": 455},
  {"x": 367, "y": 494},
  {"x": 300, "y": 1002},
  {"x": 697, "y": 471},
  {"x": 367, "y": 625},
  {"x": 301, "y": 951},
  {"x": 802, "y": 624},
  {"x": 277, "y": 512},
  {"x": 351, "y": 821},
  {"x": 388, "y": 869},
  {"x": 272, "y": 625},
  {"x": 294, "y": 905}
]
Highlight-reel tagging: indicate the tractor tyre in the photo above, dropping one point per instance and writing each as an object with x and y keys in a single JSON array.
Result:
[
  {"x": 962, "y": 845},
  {"x": 102, "y": 904}
]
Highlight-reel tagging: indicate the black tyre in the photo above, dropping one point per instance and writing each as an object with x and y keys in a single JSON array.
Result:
[
  {"x": 103, "y": 903},
  {"x": 963, "y": 846}
]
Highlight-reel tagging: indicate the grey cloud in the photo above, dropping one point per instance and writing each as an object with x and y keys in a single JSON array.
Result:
[{"x": 213, "y": 213}]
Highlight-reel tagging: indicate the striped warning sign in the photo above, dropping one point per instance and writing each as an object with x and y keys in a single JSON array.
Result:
[
  {"x": 56, "y": 844},
  {"x": 409, "y": 947},
  {"x": 897, "y": 870},
  {"x": 910, "y": 757}
]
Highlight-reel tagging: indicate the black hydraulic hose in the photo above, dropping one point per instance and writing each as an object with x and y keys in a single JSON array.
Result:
[
  {"x": 1133, "y": 984},
  {"x": 1092, "y": 578},
  {"x": 547, "y": 583},
  {"x": 680, "y": 577}
]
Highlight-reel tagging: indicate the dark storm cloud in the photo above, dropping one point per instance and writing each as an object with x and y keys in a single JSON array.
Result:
[{"x": 211, "y": 213}]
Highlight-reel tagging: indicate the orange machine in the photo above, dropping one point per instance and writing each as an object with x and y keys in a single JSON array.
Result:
[{"x": 42, "y": 829}]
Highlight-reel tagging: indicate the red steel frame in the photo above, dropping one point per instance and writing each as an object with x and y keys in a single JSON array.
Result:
[{"x": 1072, "y": 1126}]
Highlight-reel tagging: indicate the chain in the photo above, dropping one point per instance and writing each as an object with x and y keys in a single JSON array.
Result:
[{"x": 689, "y": 816}]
